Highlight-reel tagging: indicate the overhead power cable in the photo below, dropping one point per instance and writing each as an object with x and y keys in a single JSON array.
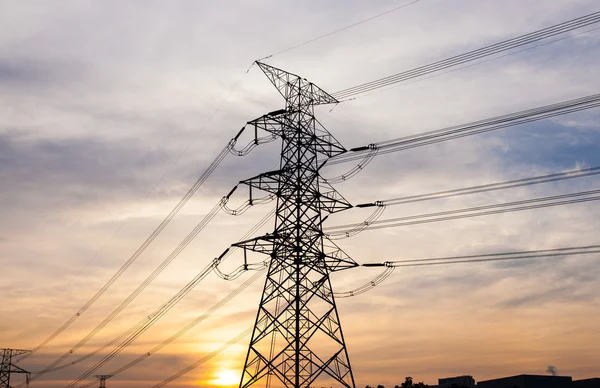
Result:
[
  {"x": 229, "y": 251},
  {"x": 130, "y": 335},
  {"x": 367, "y": 286},
  {"x": 351, "y": 232},
  {"x": 473, "y": 128},
  {"x": 210, "y": 355},
  {"x": 204, "y": 359},
  {"x": 559, "y": 176},
  {"x": 340, "y": 30},
  {"x": 142, "y": 325},
  {"x": 476, "y": 211},
  {"x": 477, "y": 63},
  {"x": 188, "y": 195},
  {"x": 519, "y": 255},
  {"x": 159, "y": 228},
  {"x": 179, "y": 333},
  {"x": 489, "y": 257},
  {"x": 187, "y": 327},
  {"x": 365, "y": 160},
  {"x": 486, "y": 51},
  {"x": 136, "y": 327},
  {"x": 382, "y": 204},
  {"x": 146, "y": 323},
  {"x": 140, "y": 250},
  {"x": 81, "y": 359},
  {"x": 189, "y": 238}
]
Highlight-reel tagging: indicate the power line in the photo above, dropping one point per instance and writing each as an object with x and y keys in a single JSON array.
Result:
[
  {"x": 478, "y": 63},
  {"x": 473, "y": 128},
  {"x": 146, "y": 323},
  {"x": 367, "y": 286},
  {"x": 582, "y": 173},
  {"x": 154, "y": 317},
  {"x": 495, "y": 48},
  {"x": 190, "y": 325},
  {"x": 189, "y": 238},
  {"x": 476, "y": 211},
  {"x": 518, "y": 255},
  {"x": 389, "y": 267},
  {"x": 187, "y": 196},
  {"x": 137, "y": 330},
  {"x": 158, "y": 229},
  {"x": 382, "y": 204},
  {"x": 206, "y": 123},
  {"x": 228, "y": 148},
  {"x": 489, "y": 257},
  {"x": 134, "y": 328},
  {"x": 204, "y": 359},
  {"x": 340, "y": 30}
]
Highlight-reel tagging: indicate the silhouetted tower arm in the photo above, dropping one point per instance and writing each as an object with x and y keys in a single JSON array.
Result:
[
  {"x": 102, "y": 379},
  {"x": 7, "y": 367}
]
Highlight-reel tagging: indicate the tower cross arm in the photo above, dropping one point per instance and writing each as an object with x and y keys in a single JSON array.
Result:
[
  {"x": 263, "y": 244},
  {"x": 16, "y": 352},
  {"x": 331, "y": 200},
  {"x": 271, "y": 122},
  {"x": 16, "y": 369},
  {"x": 7, "y": 367},
  {"x": 335, "y": 257},
  {"x": 289, "y": 84},
  {"x": 267, "y": 181}
]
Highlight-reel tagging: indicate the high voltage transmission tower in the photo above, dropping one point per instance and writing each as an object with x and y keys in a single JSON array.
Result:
[
  {"x": 102, "y": 379},
  {"x": 297, "y": 335},
  {"x": 7, "y": 367}
]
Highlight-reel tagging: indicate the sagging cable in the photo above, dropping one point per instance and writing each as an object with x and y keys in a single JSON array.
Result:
[
  {"x": 246, "y": 205},
  {"x": 236, "y": 273},
  {"x": 380, "y": 208},
  {"x": 356, "y": 169},
  {"x": 369, "y": 285},
  {"x": 252, "y": 144}
]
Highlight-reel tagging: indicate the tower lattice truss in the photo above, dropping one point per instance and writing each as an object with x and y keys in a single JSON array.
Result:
[
  {"x": 297, "y": 337},
  {"x": 103, "y": 379},
  {"x": 7, "y": 367}
]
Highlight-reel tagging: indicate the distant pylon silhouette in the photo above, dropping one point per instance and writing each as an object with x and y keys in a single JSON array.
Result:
[
  {"x": 297, "y": 335},
  {"x": 102, "y": 379},
  {"x": 7, "y": 367}
]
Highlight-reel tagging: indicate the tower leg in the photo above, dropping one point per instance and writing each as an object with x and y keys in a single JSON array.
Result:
[{"x": 302, "y": 341}]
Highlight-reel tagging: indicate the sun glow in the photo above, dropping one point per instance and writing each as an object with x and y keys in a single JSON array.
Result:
[{"x": 226, "y": 378}]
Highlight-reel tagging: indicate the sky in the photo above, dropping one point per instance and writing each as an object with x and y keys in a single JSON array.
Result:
[{"x": 110, "y": 111}]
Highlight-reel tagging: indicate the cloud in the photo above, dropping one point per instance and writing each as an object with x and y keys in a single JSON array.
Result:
[
  {"x": 71, "y": 172},
  {"x": 28, "y": 73}
]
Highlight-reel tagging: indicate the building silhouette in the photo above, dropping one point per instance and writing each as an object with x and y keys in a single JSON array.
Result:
[
  {"x": 459, "y": 381},
  {"x": 520, "y": 381},
  {"x": 587, "y": 383}
]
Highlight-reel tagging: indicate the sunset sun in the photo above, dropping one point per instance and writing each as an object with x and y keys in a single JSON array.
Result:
[{"x": 226, "y": 378}]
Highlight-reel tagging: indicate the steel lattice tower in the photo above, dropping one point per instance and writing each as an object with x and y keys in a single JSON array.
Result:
[
  {"x": 7, "y": 367},
  {"x": 102, "y": 379},
  {"x": 297, "y": 335}
]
